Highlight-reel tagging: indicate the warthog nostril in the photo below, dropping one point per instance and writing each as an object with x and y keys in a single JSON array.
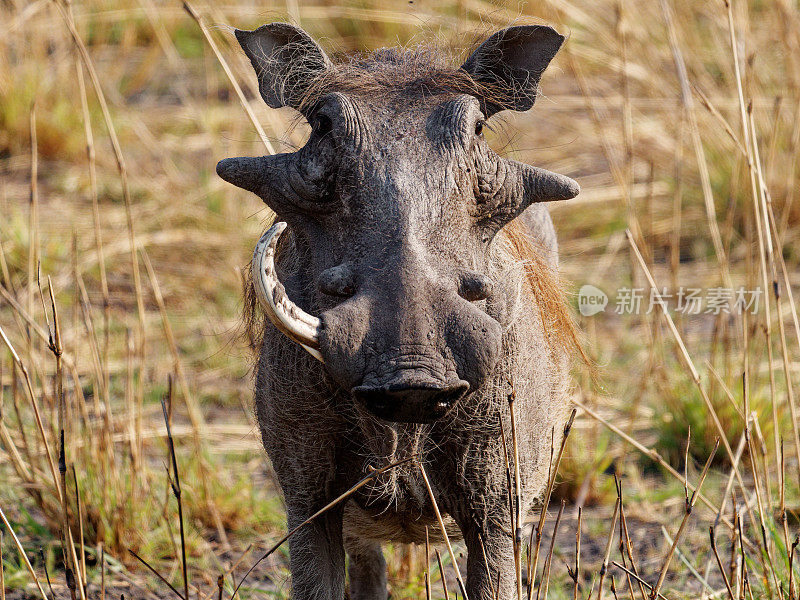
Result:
[{"x": 410, "y": 403}]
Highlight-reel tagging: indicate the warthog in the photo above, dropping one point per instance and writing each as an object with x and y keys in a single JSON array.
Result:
[{"x": 411, "y": 302}]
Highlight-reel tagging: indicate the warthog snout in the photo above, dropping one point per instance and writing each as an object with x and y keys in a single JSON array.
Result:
[
  {"x": 408, "y": 344},
  {"x": 403, "y": 361},
  {"x": 411, "y": 400}
]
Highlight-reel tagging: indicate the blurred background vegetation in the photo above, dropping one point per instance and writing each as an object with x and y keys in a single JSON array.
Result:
[{"x": 142, "y": 246}]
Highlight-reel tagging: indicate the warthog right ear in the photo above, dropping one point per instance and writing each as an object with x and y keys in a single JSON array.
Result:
[
  {"x": 510, "y": 63},
  {"x": 286, "y": 61}
]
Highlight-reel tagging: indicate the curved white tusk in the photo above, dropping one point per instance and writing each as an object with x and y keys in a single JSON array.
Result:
[{"x": 290, "y": 319}]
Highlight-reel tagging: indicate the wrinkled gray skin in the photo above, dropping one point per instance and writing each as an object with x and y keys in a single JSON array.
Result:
[{"x": 394, "y": 208}]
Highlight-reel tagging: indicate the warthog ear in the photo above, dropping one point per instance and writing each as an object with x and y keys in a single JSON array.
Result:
[
  {"x": 286, "y": 61},
  {"x": 510, "y": 63}
]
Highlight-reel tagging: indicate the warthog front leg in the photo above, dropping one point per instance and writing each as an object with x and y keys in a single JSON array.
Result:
[
  {"x": 367, "y": 570},
  {"x": 490, "y": 555},
  {"x": 316, "y": 554}
]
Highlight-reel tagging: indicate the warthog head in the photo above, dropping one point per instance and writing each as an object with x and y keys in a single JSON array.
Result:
[{"x": 393, "y": 204}]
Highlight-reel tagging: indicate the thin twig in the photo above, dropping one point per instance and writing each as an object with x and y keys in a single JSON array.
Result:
[
  {"x": 607, "y": 554},
  {"x": 625, "y": 539},
  {"x": 549, "y": 560},
  {"x": 509, "y": 483},
  {"x": 532, "y": 564},
  {"x": 517, "y": 529},
  {"x": 442, "y": 574},
  {"x": 622, "y": 554},
  {"x": 80, "y": 527},
  {"x": 46, "y": 573},
  {"x": 719, "y": 561},
  {"x": 427, "y": 564},
  {"x": 156, "y": 573},
  {"x": 72, "y": 566},
  {"x": 176, "y": 489},
  {"x": 444, "y": 531},
  {"x": 364, "y": 480},
  {"x": 792, "y": 554},
  {"x": 636, "y": 577},
  {"x": 688, "y": 511},
  {"x": 783, "y": 519}
]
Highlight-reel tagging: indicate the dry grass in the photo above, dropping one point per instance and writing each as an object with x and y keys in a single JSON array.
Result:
[{"x": 681, "y": 121}]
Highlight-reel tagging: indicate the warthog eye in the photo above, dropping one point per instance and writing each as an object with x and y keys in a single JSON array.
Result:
[{"x": 322, "y": 125}]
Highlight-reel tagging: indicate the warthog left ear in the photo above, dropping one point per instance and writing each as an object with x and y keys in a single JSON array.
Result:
[
  {"x": 286, "y": 61},
  {"x": 508, "y": 66}
]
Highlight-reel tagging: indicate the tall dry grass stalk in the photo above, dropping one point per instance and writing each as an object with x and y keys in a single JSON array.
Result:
[
  {"x": 231, "y": 78},
  {"x": 2, "y": 571},
  {"x": 442, "y": 574},
  {"x": 91, "y": 158},
  {"x": 23, "y": 556},
  {"x": 69, "y": 21},
  {"x": 625, "y": 546},
  {"x": 694, "y": 130}
]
